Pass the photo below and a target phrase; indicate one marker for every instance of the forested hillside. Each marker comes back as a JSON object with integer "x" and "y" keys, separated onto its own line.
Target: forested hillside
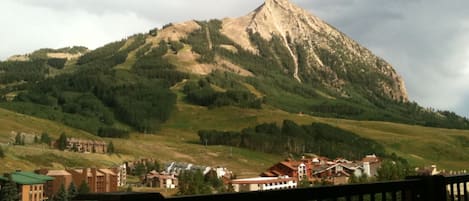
{"x": 292, "y": 138}
{"x": 125, "y": 85}
{"x": 96, "y": 97}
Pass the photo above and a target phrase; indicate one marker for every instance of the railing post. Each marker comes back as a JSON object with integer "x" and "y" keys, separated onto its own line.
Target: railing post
{"x": 434, "y": 188}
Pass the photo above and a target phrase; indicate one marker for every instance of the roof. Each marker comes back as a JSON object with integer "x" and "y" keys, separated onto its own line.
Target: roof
{"x": 371, "y": 159}
{"x": 290, "y": 164}
{"x": 89, "y": 173}
{"x": 350, "y": 166}
{"x": 342, "y": 173}
{"x": 58, "y": 173}
{"x": 268, "y": 174}
{"x": 80, "y": 171}
{"x": 107, "y": 171}
{"x": 34, "y": 175}
{"x": 28, "y": 178}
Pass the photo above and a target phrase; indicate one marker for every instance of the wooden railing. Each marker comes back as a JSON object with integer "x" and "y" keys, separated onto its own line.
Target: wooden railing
{"x": 421, "y": 188}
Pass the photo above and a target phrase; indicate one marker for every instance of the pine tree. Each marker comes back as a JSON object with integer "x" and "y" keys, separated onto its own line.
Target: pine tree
{"x": 62, "y": 194}
{"x": 72, "y": 191}
{"x": 2, "y": 154}
{"x": 23, "y": 140}
{"x": 9, "y": 191}
{"x": 62, "y": 142}
{"x": 192, "y": 183}
{"x": 304, "y": 183}
{"x": 18, "y": 139}
{"x": 45, "y": 138}
{"x": 84, "y": 188}
{"x": 140, "y": 169}
{"x": 110, "y": 148}
{"x": 129, "y": 189}
{"x": 74, "y": 147}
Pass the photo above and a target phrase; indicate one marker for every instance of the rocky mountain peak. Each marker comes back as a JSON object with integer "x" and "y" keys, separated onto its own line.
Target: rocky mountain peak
{"x": 351, "y": 64}
{"x": 278, "y": 2}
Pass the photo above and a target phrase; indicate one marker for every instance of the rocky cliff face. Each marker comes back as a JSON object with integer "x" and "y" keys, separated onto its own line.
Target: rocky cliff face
{"x": 332, "y": 58}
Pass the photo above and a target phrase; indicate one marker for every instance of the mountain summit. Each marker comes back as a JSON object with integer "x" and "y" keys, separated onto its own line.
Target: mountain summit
{"x": 332, "y": 58}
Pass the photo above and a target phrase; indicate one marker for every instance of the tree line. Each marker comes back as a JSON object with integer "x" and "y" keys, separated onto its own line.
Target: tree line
{"x": 291, "y": 138}
{"x": 201, "y": 93}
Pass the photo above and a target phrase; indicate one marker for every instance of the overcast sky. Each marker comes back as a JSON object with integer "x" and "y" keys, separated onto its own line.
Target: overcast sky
{"x": 426, "y": 41}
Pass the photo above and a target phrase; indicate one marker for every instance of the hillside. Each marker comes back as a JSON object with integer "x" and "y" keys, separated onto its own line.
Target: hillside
{"x": 282, "y": 64}
{"x": 178, "y": 141}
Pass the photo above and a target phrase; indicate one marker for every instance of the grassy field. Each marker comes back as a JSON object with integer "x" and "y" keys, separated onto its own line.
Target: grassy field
{"x": 178, "y": 141}
{"x": 422, "y": 146}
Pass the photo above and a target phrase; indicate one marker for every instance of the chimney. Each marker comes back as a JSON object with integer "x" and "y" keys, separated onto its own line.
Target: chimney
{"x": 42, "y": 171}
{"x": 366, "y": 168}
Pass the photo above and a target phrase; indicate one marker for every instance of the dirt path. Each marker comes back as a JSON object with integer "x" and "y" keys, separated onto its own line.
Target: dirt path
{"x": 208, "y": 38}
{"x": 295, "y": 60}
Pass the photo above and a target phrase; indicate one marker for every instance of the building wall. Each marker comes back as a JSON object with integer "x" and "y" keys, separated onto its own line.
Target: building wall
{"x": 246, "y": 187}
{"x": 110, "y": 181}
{"x": 340, "y": 180}
{"x": 162, "y": 181}
{"x": 121, "y": 172}
{"x": 80, "y": 177}
{"x": 32, "y": 192}
{"x": 302, "y": 171}
{"x": 86, "y": 145}
{"x": 262, "y": 185}
{"x": 25, "y": 193}
{"x": 279, "y": 185}
{"x": 66, "y": 180}
{"x": 98, "y": 181}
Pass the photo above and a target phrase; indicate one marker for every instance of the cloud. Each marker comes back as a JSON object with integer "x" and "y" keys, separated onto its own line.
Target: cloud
{"x": 30, "y": 27}
{"x": 426, "y": 41}
{"x": 30, "y": 24}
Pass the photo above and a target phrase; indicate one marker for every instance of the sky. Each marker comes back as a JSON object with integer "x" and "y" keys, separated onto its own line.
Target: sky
{"x": 427, "y": 42}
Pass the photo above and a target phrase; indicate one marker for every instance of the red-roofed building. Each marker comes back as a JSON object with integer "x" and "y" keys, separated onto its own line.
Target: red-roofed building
{"x": 295, "y": 169}
{"x": 161, "y": 180}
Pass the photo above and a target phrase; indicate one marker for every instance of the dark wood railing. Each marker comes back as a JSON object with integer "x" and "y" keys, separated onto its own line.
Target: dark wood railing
{"x": 421, "y": 188}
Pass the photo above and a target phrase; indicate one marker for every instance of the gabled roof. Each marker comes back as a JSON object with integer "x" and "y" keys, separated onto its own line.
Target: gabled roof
{"x": 107, "y": 171}
{"x": 293, "y": 165}
{"x": 58, "y": 173}
{"x": 28, "y": 178}
{"x": 371, "y": 159}
{"x": 350, "y": 166}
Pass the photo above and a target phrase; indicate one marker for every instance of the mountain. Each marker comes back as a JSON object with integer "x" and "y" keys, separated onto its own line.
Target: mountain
{"x": 278, "y": 62}
{"x": 330, "y": 57}
{"x": 279, "y": 55}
